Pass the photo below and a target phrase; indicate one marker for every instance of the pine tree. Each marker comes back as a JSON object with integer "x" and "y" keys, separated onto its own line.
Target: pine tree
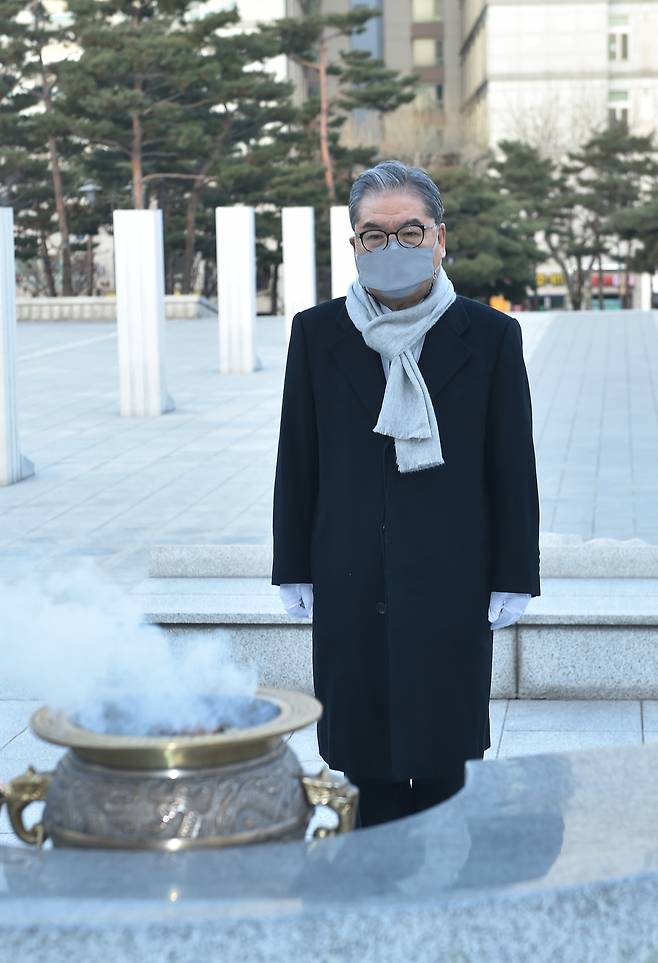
{"x": 580, "y": 204}
{"x": 615, "y": 172}
{"x": 490, "y": 247}
{"x": 30, "y": 92}
{"x": 640, "y": 224}
{"x": 168, "y": 95}
{"x": 360, "y": 81}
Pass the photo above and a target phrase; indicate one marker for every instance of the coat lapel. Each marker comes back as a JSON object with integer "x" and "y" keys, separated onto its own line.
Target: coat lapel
{"x": 443, "y": 354}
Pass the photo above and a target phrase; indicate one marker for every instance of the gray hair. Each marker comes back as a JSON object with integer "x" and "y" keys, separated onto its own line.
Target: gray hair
{"x": 393, "y": 175}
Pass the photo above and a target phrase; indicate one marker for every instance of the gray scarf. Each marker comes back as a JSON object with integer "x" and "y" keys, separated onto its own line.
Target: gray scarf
{"x": 407, "y": 412}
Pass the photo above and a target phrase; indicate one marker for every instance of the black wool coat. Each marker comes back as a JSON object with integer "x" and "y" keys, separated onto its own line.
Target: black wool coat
{"x": 403, "y": 564}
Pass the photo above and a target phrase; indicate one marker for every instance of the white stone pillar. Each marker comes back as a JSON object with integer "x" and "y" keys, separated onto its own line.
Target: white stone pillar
{"x": 343, "y": 268}
{"x": 139, "y": 272}
{"x": 298, "y": 242}
{"x": 236, "y": 288}
{"x": 645, "y": 289}
{"x": 13, "y": 465}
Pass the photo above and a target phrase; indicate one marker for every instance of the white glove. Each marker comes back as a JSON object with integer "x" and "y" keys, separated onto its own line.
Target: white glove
{"x": 506, "y": 607}
{"x": 297, "y": 599}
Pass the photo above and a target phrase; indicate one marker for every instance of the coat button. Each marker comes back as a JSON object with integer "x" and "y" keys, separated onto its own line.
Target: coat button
{"x": 381, "y": 607}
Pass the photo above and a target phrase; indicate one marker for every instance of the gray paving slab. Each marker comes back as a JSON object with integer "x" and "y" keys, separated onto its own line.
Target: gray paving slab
{"x": 523, "y": 743}
{"x": 625, "y": 601}
{"x": 105, "y": 484}
{"x": 25, "y": 750}
{"x": 591, "y": 715}
{"x": 14, "y": 717}
{"x": 650, "y": 715}
{"x": 594, "y": 382}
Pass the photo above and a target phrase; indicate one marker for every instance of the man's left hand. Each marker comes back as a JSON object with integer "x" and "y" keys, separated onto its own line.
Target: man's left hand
{"x": 506, "y": 607}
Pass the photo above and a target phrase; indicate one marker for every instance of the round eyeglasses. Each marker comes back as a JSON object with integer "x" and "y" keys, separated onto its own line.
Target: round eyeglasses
{"x": 410, "y": 235}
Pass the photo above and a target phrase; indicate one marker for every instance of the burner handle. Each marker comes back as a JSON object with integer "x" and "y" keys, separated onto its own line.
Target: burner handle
{"x": 338, "y": 794}
{"x": 17, "y": 795}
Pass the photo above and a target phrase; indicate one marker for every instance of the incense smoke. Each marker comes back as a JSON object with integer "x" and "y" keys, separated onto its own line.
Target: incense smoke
{"x": 76, "y": 640}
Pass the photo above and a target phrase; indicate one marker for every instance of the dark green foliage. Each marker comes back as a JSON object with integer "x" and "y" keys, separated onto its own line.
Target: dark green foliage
{"x": 490, "y": 249}
{"x": 584, "y": 207}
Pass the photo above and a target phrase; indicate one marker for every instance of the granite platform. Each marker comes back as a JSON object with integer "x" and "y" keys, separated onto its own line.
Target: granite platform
{"x": 592, "y": 634}
{"x": 542, "y": 858}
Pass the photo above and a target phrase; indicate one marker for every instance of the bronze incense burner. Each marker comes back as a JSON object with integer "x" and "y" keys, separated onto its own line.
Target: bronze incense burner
{"x": 174, "y": 792}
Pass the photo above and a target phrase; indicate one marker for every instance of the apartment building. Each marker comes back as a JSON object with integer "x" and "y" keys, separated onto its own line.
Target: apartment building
{"x": 419, "y": 37}
{"x": 549, "y": 72}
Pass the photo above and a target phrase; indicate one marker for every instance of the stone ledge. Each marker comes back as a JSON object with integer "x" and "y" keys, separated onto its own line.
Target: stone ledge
{"x": 284, "y": 653}
{"x": 254, "y": 600}
{"x": 210, "y": 561}
{"x": 562, "y": 556}
{"x": 545, "y": 857}
{"x": 587, "y": 662}
{"x": 82, "y": 308}
{"x": 582, "y": 638}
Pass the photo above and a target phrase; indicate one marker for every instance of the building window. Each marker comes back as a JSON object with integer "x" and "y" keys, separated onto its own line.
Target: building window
{"x": 618, "y": 45}
{"x": 429, "y": 96}
{"x": 426, "y": 11}
{"x": 618, "y": 107}
{"x": 427, "y": 52}
{"x": 618, "y": 115}
{"x": 371, "y": 38}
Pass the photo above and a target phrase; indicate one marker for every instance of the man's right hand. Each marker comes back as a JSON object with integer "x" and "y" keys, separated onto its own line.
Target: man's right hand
{"x": 297, "y": 599}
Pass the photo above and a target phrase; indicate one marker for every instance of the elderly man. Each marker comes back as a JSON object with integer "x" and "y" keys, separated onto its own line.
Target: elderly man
{"x": 406, "y": 510}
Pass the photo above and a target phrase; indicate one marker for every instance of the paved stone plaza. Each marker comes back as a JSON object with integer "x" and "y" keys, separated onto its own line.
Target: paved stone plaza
{"x": 108, "y": 487}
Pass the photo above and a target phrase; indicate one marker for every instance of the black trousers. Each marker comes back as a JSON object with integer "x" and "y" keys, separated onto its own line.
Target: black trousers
{"x": 381, "y": 800}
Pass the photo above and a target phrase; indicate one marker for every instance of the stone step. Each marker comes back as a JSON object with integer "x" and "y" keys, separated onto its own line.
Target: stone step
{"x": 562, "y": 556}
{"x": 582, "y": 638}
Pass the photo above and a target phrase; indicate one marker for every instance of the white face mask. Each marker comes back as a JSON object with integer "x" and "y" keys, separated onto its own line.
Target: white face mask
{"x": 396, "y": 271}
